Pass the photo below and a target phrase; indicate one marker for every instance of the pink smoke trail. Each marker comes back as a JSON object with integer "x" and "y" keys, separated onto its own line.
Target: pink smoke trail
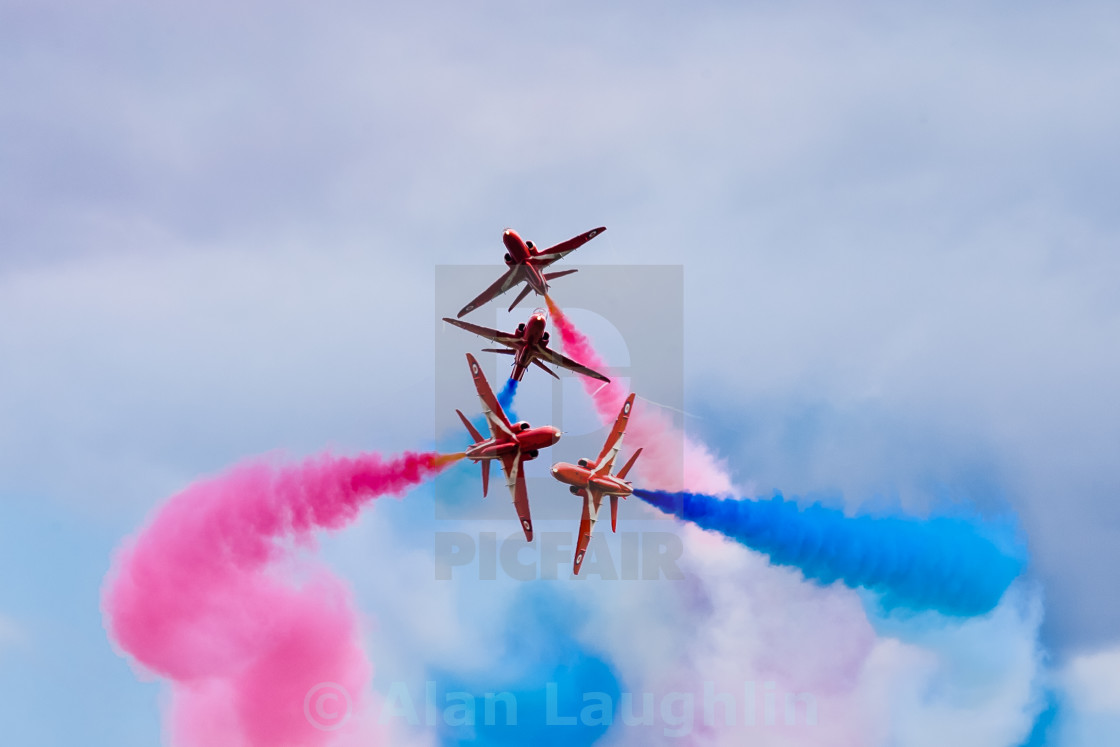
{"x": 212, "y": 596}
{"x": 669, "y": 457}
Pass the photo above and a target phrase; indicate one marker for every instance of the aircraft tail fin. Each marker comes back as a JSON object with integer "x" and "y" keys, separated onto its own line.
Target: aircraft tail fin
{"x": 503, "y": 351}
{"x": 614, "y": 513}
{"x": 554, "y": 275}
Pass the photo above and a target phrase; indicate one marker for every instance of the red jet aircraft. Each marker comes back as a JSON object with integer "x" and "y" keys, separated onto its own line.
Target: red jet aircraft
{"x": 512, "y": 443}
{"x": 528, "y": 345}
{"x": 525, "y": 263}
{"x": 593, "y": 480}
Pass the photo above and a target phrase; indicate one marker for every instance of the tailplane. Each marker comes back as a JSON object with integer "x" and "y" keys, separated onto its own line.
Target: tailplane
{"x": 554, "y": 275}
{"x": 470, "y": 428}
{"x": 521, "y": 296}
{"x": 626, "y": 467}
{"x": 485, "y": 463}
{"x": 547, "y": 370}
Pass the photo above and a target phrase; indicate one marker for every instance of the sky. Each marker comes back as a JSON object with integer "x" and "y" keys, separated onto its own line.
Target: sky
{"x": 220, "y": 230}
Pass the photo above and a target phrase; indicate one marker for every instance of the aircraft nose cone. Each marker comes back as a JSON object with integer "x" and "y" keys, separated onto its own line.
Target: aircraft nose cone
{"x": 555, "y": 435}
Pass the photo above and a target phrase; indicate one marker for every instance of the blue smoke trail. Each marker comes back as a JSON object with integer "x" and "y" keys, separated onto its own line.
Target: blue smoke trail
{"x": 505, "y": 398}
{"x": 943, "y": 564}
{"x": 1045, "y": 724}
{"x": 547, "y": 673}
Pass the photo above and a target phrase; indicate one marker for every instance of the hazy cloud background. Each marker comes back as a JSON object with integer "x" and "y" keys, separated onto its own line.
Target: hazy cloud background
{"x": 218, "y": 229}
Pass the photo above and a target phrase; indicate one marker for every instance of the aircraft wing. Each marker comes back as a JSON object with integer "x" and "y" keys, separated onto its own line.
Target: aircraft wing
{"x": 592, "y": 501}
{"x": 561, "y": 250}
{"x": 495, "y": 416}
{"x": 512, "y": 465}
{"x": 505, "y": 338}
{"x": 606, "y": 458}
{"x": 559, "y": 360}
{"x": 500, "y": 286}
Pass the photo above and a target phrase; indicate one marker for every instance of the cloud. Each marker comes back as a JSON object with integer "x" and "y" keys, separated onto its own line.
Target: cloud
{"x": 977, "y": 682}
{"x": 12, "y": 634}
{"x": 1092, "y": 680}
{"x": 161, "y": 367}
{"x": 1083, "y": 706}
{"x": 898, "y": 227}
{"x": 738, "y": 621}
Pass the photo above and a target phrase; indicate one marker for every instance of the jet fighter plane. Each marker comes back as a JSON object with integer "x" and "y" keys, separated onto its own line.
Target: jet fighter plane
{"x": 511, "y": 443}
{"x": 525, "y": 263}
{"x": 528, "y": 345}
{"x": 593, "y": 479}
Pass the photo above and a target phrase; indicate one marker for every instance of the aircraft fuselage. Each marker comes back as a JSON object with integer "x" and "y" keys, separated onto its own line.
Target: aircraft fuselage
{"x": 581, "y": 478}
{"x": 527, "y": 348}
{"x": 518, "y": 253}
{"x": 526, "y": 441}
